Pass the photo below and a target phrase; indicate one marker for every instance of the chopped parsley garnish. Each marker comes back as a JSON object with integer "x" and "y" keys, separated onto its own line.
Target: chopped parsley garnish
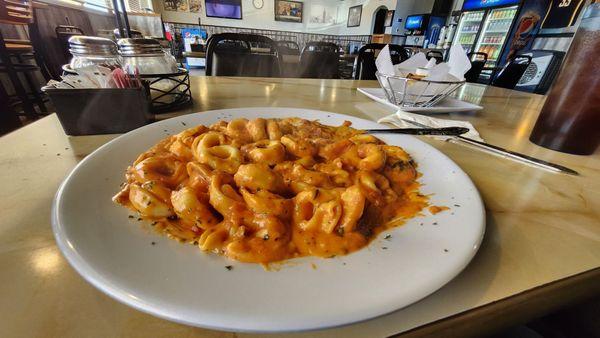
{"x": 229, "y": 267}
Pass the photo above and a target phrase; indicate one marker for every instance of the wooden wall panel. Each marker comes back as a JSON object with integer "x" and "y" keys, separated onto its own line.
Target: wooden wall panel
{"x": 47, "y": 19}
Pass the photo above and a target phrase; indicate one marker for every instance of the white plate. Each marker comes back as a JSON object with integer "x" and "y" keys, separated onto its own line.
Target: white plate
{"x": 447, "y": 105}
{"x": 178, "y": 282}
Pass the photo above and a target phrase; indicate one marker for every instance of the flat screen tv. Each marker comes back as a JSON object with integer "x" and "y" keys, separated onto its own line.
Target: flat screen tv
{"x": 229, "y": 9}
{"x": 414, "y": 22}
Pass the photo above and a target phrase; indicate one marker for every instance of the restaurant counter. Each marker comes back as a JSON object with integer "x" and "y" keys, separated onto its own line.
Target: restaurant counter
{"x": 541, "y": 248}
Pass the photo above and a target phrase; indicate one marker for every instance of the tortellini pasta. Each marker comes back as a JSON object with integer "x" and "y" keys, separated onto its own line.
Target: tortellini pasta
{"x": 265, "y": 190}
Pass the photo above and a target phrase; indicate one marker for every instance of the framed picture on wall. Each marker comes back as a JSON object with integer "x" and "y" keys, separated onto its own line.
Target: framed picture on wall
{"x": 290, "y": 11}
{"x": 228, "y": 9}
{"x": 354, "y": 14}
{"x": 389, "y": 18}
{"x": 177, "y": 5}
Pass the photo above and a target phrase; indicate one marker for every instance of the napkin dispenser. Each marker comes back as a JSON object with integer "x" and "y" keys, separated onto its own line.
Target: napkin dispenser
{"x": 89, "y": 111}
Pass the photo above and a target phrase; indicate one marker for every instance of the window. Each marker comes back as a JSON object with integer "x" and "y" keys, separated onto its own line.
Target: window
{"x": 104, "y": 5}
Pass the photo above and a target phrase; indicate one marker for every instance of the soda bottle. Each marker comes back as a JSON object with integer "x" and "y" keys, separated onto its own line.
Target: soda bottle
{"x": 570, "y": 119}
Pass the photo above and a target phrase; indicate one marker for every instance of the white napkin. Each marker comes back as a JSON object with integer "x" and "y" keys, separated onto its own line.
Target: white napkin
{"x": 397, "y": 120}
{"x": 87, "y": 77}
{"x": 453, "y": 70}
{"x": 410, "y": 65}
{"x": 459, "y": 62}
{"x": 418, "y": 92}
{"x": 384, "y": 62}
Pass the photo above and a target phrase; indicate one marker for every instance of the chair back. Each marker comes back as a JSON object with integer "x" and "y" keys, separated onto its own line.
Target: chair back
{"x": 437, "y": 55}
{"x": 510, "y": 75}
{"x": 364, "y": 65}
{"x": 287, "y": 47}
{"x": 16, "y": 12}
{"x": 320, "y": 60}
{"x": 63, "y": 33}
{"x": 477, "y": 64}
{"x": 230, "y": 54}
{"x": 134, "y": 34}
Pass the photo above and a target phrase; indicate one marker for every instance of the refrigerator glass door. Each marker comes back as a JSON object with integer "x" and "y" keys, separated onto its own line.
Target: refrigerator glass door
{"x": 495, "y": 30}
{"x": 468, "y": 26}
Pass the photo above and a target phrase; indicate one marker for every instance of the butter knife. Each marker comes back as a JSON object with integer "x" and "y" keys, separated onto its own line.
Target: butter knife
{"x": 447, "y": 131}
{"x": 506, "y": 153}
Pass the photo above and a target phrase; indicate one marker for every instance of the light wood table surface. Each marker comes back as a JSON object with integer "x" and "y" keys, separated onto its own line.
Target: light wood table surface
{"x": 541, "y": 248}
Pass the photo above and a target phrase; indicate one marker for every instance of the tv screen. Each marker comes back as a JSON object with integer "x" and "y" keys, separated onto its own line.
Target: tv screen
{"x": 413, "y": 22}
{"x": 230, "y": 9}
{"x": 480, "y": 4}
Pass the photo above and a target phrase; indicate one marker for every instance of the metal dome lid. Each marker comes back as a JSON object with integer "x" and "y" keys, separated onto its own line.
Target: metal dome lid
{"x": 139, "y": 47}
{"x": 91, "y": 45}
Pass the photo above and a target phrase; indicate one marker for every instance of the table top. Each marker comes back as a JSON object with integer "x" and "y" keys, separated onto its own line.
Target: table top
{"x": 542, "y": 228}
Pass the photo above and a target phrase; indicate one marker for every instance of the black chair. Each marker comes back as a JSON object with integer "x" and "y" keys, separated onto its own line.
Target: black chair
{"x": 134, "y": 34}
{"x": 364, "y": 66}
{"x": 320, "y": 60}
{"x": 510, "y": 75}
{"x": 19, "y": 61}
{"x": 230, "y": 54}
{"x": 437, "y": 55}
{"x": 290, "y": 57}
{"x": 477, "y": 64}
{"x": 63, "y": 33}
{"x": 287, "y": 47}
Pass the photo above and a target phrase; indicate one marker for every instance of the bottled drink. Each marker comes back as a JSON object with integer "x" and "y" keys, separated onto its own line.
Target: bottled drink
{"x": 570, "y": 119}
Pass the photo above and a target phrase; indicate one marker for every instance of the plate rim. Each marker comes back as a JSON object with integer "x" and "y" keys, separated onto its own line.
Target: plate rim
{"x": 86, "y": 270}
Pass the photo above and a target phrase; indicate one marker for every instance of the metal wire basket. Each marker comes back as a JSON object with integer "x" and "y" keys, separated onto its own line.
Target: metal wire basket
{"x": 407, "y": 92}
{"x": 169, "y": 92}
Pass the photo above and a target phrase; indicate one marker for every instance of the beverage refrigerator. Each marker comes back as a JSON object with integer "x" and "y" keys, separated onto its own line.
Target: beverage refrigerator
{"x": 483, "y": 27}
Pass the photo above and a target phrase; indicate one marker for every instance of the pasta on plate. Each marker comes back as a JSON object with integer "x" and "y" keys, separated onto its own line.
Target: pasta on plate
{"x": 266, "y": 190}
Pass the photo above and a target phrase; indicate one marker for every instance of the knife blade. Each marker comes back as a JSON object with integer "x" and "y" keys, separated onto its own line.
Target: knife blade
{"x": 447, "y": 131}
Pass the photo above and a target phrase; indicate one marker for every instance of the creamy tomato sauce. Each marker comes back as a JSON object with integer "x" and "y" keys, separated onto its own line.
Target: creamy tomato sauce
{"x": 267, "y": 190}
